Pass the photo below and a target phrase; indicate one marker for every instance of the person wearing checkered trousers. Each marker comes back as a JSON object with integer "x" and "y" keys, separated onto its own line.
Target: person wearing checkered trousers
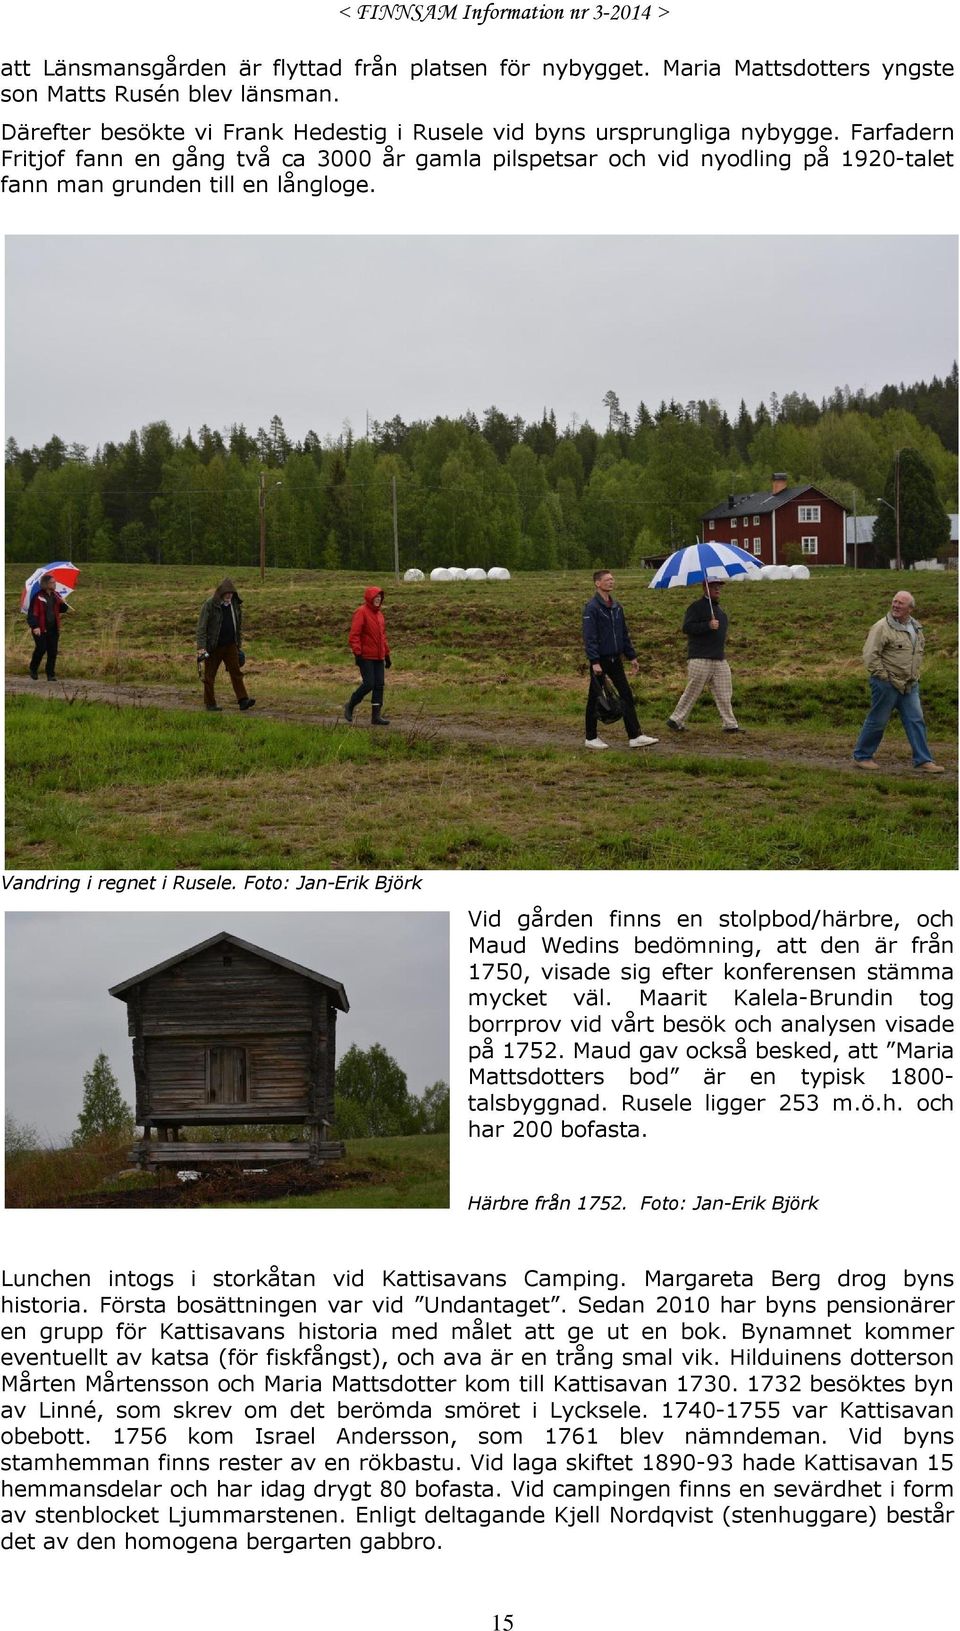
{"x": 705, "y": 626}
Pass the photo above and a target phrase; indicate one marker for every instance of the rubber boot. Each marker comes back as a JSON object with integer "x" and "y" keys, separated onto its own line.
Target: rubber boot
{"x": 379, "y": 717}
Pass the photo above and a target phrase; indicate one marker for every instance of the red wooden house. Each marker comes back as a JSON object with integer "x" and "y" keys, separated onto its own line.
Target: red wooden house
{"x": 785, "y": 525}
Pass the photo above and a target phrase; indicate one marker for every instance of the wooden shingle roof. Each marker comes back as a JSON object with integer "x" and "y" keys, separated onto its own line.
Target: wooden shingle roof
{"x": 333, "y": 986}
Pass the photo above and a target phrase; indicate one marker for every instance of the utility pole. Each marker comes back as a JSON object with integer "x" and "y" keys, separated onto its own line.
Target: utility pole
{"x": 896, "y": 495}
{"x": 396, "y": 540}
{"x": 263, "y": 524}
{"x": 262, "y": 505}
{"x": 190, "y": 525}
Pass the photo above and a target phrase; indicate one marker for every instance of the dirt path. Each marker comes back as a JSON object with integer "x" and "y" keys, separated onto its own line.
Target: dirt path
{"x": 764, "y": 744}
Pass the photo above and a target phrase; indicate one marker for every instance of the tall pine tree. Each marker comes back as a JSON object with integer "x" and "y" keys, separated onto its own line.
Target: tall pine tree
{"x": 924, "y": 523}
{"x": 104, "y": 1113}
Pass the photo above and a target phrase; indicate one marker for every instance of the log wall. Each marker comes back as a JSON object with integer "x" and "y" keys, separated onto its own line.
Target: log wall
{"x": 228, "y": 998}
{"x": 278, "y": 1073}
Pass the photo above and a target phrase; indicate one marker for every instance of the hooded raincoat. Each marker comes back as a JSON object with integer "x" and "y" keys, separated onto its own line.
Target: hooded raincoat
{"x": 368, "y": 633}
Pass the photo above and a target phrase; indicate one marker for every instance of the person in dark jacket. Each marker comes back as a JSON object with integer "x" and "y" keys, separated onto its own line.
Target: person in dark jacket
{"x": 368, "y": 642}
{"x": 44, "y": 617}
{"x": 219, "y": 640}
{"x": 705, "y": 626}
{"x": 606, "y": 641}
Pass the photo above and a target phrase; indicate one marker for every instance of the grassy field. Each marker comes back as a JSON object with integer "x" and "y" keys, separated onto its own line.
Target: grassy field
{"x": 48, "y": 1177}
{"x": 483, "y": 766}
{"x": 410, "y": 1173}
{"x": 378, "y": 1173}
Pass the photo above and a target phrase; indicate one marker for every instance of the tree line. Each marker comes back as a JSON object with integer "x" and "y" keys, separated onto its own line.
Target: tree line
{"x": 463, "y": 491}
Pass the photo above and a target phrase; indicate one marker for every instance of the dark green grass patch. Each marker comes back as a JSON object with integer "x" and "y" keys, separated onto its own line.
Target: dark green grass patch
{"x": 408, "y": 1173}
{"x": 418, "y": 1195}
{"x": 98, "y": 745}
{"x": 327, "y": 798}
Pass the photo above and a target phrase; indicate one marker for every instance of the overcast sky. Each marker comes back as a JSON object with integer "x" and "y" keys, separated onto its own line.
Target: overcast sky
{"x": 106, "y": 334}
{"x": 59, "y": 1014}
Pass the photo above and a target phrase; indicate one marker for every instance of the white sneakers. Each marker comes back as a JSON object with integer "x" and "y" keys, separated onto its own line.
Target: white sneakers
{"x": 594, "y": 742}
{"x": 643, "y": 741}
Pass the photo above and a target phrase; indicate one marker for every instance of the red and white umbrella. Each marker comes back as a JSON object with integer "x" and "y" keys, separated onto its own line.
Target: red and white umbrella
{"x": 64, "y": 575}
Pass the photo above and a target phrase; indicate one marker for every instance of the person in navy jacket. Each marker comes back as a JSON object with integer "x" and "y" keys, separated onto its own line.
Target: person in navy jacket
{"x": 606, "y": 640}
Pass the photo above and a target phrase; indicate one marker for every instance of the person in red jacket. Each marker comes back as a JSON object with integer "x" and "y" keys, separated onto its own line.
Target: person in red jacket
{"x": 368, "y": 642}
{"x": 44, "y": 617}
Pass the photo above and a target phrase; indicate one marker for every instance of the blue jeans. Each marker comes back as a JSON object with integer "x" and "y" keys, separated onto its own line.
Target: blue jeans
{"x": 372, "y": 680}
{"x": 886, "y": 700}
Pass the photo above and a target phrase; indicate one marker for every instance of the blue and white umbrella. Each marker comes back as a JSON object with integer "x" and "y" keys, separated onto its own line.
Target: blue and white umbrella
{"x": 701, "y": 563}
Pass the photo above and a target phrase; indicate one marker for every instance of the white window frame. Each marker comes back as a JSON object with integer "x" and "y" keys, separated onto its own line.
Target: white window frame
{"x": 809, "y": 546}
{"x": 757, "y": 547}
{"x": 733, "y": 521}
{"x": 712, "y": 525}
{"x": 756, "y": 520}
{"x": 808, "y": 512}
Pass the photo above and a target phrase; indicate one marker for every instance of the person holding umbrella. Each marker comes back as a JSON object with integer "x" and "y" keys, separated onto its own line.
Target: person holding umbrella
{"x": 705, "y": 626}
{"x": 705, "y": 623}
{"x": 45, "y": 612}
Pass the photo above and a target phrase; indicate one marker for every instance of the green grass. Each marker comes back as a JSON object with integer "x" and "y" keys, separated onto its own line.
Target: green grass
{"x": 40, "y": 1177}
{"x": 378, "y": 1173}
{"x": 103, "y": 785}
{"x": 436, "y": 804}
{"x": 412, "y": 1173}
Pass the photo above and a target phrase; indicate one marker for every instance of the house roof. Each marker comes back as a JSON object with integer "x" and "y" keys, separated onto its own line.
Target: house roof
{"x": 334, "y": 986}
{"x": 759, "y": 503}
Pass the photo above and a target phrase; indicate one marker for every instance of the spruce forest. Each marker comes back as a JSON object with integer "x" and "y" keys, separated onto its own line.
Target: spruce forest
{"x": 469, "y": 491}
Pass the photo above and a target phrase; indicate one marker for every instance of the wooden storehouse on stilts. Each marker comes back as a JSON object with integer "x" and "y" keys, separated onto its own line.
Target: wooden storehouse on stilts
{"x": 229, "y": 1035}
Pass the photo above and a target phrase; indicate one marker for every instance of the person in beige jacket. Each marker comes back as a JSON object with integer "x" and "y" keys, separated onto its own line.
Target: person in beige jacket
{"x": 892, "y": 655}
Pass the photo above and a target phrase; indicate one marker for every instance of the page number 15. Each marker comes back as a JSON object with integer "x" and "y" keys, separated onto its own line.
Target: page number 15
{"x": 503, "y": 1622}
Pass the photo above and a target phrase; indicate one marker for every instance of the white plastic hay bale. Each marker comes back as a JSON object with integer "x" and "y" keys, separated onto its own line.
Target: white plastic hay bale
{"x": 775, "y": 573}
{"x": 440, "y": 574}
{"x": 476, "y": 574}
{"x": 413, "y": 574}
{"x": 457, "y": 573}
{"x": 800, "y": 573}
{"x": 499, "y": 574}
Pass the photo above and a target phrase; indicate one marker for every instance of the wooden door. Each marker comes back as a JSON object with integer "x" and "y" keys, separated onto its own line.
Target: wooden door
{"x": 227, "y": 1076}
